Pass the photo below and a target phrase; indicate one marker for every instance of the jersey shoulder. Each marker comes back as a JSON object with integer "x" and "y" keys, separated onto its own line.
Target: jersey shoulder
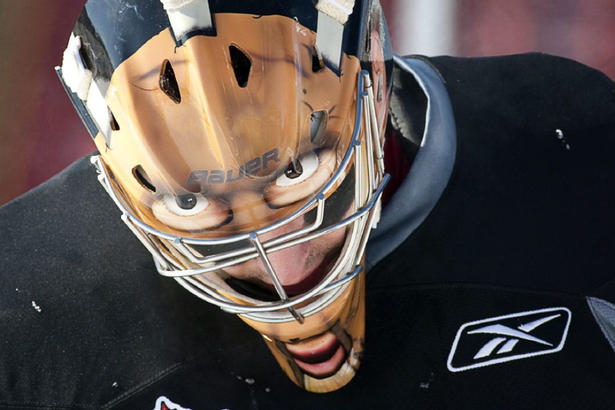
{"x": 85, "y": 318}
{"x": 528, "y": 203}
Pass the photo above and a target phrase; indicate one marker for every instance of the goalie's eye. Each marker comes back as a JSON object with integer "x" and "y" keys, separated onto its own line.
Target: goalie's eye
{"x": 301, "y": 179}
{"x": 189, "y": 212}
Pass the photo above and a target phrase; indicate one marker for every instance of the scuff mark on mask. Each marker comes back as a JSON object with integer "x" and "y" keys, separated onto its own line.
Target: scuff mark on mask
{"x": 132, "y": 7}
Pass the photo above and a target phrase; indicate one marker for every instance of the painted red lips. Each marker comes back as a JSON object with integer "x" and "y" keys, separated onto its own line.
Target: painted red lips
{"x": 320, "y": 357}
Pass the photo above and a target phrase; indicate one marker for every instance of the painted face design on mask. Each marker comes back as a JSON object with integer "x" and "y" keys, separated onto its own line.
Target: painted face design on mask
{"x": 249, "y": 168}
{"x": 322, "y": 352}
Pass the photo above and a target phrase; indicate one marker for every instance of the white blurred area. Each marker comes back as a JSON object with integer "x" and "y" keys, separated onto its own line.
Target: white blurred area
{"x": 581, "y": 30}
{"x": 424, "y": 26}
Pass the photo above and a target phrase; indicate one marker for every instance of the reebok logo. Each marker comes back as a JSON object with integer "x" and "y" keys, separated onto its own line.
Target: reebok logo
{"x": 511, "y": 337}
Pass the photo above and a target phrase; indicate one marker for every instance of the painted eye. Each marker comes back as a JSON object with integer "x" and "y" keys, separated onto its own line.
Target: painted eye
{"x": 185, "y": 205}
{"x": 294, "y": 170}
{"x": 301, "y": 179}
{"x": 189, "y": 212}
{"x": 299, "y": 170}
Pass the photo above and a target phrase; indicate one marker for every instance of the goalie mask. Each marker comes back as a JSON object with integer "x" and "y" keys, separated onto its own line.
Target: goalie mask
{"x": 242, "y": 142}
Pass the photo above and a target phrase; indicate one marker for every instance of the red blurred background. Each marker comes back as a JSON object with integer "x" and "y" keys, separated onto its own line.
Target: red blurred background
{"x": 41, "y": 133}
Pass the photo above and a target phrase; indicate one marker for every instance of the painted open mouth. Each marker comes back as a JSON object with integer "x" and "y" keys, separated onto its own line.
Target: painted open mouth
{"x": 265, "y": 291}
{"x": 319, "y": 357}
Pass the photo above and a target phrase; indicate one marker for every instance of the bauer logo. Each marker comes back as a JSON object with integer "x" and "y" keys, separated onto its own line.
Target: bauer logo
{"x": 226, "y": 176}
{"x": 511, "y": 337}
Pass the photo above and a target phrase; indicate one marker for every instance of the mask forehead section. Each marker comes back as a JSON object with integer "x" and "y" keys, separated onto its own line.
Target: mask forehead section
{"x": 240, "y": 135}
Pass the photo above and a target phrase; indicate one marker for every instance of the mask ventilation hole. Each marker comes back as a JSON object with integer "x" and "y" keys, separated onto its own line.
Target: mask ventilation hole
{"x": 168, "y": 83}
{"x": 113, "y": 122}
{"x": 317, "y": 63}
{"x": 318, "y": 122}
{"x": 241, "y": 65}
{"x": 140, "y": 175}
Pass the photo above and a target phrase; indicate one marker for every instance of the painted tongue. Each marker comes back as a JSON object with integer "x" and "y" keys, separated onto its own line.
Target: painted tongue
{"x": 311, "y": 280}
{"x": 307, "y": 283}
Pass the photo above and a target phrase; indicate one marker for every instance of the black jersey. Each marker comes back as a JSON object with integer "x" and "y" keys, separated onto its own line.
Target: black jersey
{"x": 499, "y": 296}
